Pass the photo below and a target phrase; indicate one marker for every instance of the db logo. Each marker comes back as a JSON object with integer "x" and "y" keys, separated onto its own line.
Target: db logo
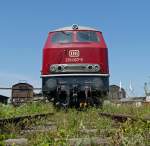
{"x": 74, "y": 53}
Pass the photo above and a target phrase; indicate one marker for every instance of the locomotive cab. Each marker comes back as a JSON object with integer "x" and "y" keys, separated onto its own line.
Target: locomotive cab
{"x": 75, "y": 66}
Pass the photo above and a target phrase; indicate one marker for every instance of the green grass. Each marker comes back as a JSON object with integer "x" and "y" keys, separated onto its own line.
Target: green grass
{"x": 74, "y": 124}
{"x": 142, "y": 111}
{"x": 25, "y": 109}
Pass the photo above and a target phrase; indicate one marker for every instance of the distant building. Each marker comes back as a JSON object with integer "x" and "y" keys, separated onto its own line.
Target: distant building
{"x": 116, "y": 93}
{"x": 22, "y": 92}
{"x": 4, "y": 99}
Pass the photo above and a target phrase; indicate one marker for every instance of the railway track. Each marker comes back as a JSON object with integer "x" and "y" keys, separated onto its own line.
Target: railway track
{"x": 52, "y": 127}
{"x": 116, "y": 117}
{"x": 122, "y": 117}
{"x": 21, "y": 119}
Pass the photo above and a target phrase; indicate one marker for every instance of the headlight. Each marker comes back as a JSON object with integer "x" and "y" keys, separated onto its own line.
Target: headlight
{"x": 90, "y": 67}
{"x": 93, "y": 68}
{"x": 60, "y": 68}
{"x": 56, "y": 68}
{"x": 53, "y": 68}
{"x": 97, "y": 67}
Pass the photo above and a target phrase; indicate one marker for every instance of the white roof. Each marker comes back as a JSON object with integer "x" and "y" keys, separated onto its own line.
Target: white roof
{"x": 79, "y": 28}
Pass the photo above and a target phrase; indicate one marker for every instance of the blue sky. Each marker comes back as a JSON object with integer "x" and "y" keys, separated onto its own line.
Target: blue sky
{"x": 24, "y": 25}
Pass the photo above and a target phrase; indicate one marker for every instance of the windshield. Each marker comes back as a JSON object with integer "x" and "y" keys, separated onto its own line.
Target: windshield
{"x": 62, "y": 37}
{"x": 87, "y": 36}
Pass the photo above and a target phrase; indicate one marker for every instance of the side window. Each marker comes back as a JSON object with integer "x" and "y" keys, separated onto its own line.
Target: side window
{"x": 62, "y": 37}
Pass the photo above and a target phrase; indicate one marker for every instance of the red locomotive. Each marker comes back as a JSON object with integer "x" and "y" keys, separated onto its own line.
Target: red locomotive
{"x": 75, "y": 66}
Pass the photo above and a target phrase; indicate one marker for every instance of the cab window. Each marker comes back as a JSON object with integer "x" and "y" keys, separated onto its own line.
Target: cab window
{"x": 87, "y": 36}
{"x": 62, "y": 37}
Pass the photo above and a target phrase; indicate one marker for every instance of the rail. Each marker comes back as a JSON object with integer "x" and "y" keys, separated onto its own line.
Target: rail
{"x": 18, "y": 119}
{"x": 122, "y": 117}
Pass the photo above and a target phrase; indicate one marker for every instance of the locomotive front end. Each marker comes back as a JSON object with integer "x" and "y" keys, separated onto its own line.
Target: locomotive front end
{"x": 75, "y": 67}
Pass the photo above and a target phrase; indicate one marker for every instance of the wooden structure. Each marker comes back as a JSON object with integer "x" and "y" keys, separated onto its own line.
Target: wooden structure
{"x": 22, "y": 92}
{"x": 115, "y": 93}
